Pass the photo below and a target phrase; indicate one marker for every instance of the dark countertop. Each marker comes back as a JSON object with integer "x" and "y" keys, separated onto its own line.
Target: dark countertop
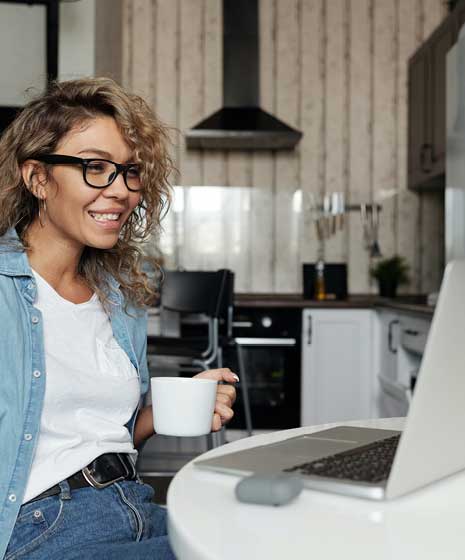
{"x": 407, "y": 304}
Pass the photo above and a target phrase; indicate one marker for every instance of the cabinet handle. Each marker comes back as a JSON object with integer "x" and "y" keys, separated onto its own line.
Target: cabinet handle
{"x": 309, "y": 330}
{"x": 390, "y": 329}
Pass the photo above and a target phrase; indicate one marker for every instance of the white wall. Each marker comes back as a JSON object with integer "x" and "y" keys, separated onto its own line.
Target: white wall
{"x": 23, "y": 47}
{"x": 76, "y": 51}
{"x": 22, "y": 51}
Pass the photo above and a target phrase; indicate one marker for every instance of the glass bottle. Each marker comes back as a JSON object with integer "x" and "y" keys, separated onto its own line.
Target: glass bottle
{"x": 320, "y": 292}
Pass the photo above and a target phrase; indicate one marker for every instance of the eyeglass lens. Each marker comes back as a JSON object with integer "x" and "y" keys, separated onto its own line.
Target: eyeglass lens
{"x": 100, "y": 173}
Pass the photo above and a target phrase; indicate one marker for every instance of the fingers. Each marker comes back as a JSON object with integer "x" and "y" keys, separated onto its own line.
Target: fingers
{"x": 220, "y": 374}
{"x": 224, "y": 411}
{"x": 216, "y": 423}
{"x": 221, "y": 416}
{"x": 226, "y": 394}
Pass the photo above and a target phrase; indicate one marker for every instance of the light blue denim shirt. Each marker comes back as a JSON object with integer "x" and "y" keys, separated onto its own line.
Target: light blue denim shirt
{"x": 22, "y": 373}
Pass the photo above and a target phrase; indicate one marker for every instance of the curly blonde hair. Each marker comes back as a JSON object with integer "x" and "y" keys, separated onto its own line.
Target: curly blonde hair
{"x": 38, "y": 129}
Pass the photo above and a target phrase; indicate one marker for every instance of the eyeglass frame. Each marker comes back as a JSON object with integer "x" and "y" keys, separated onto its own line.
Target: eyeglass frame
{"x": 61, "y": 159}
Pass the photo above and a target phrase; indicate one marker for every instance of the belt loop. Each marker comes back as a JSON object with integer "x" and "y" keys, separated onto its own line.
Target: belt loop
{"x": 65, "y": 493}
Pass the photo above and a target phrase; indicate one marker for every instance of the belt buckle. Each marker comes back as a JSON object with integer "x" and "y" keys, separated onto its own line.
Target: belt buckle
{"x": 87, "y": 474}
{"x": 95, "y": 483}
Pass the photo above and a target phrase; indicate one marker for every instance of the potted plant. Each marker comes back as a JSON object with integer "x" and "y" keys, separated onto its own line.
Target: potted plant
{"x": 390, "y": 273}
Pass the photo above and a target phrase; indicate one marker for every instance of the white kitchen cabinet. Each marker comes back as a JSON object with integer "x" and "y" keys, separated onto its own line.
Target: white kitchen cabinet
{"x": 337, "y": 365}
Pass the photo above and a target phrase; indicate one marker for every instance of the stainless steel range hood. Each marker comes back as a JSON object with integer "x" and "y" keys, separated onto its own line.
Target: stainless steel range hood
{"x": 241, "y": 124}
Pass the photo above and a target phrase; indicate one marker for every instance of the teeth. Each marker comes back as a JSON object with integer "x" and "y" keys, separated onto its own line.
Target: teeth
{"x": 104, "y": 217}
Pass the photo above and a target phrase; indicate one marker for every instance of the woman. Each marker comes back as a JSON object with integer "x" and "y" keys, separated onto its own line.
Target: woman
{"x": 83, "y": 179}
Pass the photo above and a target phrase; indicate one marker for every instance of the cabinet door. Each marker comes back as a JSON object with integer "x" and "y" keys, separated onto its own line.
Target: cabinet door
{"x": 441, "y": 42}
{"x": 337, "y": 376}
{"x": 418, "y": 131}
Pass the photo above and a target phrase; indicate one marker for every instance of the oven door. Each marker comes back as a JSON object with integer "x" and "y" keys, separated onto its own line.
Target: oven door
{"x": 272, "y": 370}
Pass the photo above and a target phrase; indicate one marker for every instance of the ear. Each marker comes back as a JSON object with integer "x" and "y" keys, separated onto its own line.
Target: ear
{"x": 35, "y": 178}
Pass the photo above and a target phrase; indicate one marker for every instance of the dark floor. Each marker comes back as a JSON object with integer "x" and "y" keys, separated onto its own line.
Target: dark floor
{"x": 160, "y": 485}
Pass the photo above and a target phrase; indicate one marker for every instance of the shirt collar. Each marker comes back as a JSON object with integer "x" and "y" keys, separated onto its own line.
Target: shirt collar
{"x": 13, "y": 257}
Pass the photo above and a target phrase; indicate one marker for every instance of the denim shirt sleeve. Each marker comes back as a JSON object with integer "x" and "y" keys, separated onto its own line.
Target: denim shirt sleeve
{"x": 136, "y": 326}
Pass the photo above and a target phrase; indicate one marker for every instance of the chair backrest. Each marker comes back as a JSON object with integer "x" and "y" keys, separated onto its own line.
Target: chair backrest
{"x": 227, "y": 305}
{"x": 194, "y": 291}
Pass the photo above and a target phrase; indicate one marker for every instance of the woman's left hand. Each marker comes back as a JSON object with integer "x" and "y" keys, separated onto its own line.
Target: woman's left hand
{"x": 225, "y": 395}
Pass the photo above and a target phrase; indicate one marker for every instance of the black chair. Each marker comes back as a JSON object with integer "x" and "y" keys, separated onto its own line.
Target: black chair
{"x": 197, "y": 297}
{"x": 205, "y": 302}
{"x": 227, "y": 341}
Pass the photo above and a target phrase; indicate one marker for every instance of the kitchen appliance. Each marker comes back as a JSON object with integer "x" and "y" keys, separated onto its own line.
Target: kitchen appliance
{"x": 269, "y": 339}
{"x": 382, "y": 464}
{"x": 241, "y": 123}
{"x": 455, "y": 151}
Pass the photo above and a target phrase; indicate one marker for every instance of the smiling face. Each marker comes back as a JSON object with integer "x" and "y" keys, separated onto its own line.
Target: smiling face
{"x": 77, "y": 213}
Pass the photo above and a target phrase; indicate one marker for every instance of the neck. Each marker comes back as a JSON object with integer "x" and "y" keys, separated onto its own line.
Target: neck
{"x": 55, "y": 258}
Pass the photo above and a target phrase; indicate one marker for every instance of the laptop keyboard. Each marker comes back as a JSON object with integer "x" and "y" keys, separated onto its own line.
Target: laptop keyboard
{"x": 370, "y": 463}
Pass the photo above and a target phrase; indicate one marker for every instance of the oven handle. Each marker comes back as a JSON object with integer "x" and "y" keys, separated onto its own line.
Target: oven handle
{"x": 266, "y": 341}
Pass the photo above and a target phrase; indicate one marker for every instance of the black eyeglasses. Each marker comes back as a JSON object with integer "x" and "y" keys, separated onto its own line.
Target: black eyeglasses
{"x": 99, "y": 173}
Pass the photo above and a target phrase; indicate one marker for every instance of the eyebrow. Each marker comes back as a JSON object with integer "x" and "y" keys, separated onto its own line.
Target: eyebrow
{"x": 102, "y": 153}
{"x": 95, "y": 151}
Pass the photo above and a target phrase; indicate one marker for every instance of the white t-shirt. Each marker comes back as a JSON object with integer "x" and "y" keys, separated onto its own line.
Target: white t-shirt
{"x": 92, "y": 390}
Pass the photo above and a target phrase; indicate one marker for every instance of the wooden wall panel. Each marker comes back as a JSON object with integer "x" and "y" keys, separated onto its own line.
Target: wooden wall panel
{"x": 191, "y": 103}
{"x": 213, "y": 161}
{"x": 166, "y": 44}
{"x": 287, "y": 218}
{"x": 385, "y": 179}
{"x": 261, "y": 218}
{"x": 360, "y": 139}
{"x": 108, "y": 44}
{"x": 312, "y": 120}
{"x": 127, "y": 39}
{"x": 263, "y": 169}
{"x": 336, "y": 114}
{"x": 335, "y": 69}
{"x": 142, "y": 50}
{"x": 408, "y": 206}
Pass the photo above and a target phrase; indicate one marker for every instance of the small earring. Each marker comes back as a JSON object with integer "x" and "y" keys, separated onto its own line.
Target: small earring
{"x": 40, "y": 213}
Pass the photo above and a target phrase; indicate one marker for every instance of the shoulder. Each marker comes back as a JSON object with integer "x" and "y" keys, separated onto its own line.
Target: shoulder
{"x": 136, "y": 318}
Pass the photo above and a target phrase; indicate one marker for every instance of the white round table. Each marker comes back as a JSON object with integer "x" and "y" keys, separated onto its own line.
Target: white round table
{"x": 206, "y": 522}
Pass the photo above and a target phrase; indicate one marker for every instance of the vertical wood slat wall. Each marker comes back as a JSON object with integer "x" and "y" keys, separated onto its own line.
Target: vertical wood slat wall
{"x": 335, "y": 69}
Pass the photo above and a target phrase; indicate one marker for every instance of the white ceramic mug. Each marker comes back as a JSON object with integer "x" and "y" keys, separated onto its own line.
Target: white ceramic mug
{"x": 183, "y": 406}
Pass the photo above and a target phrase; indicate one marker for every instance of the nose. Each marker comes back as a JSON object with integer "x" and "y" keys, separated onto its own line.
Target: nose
{"x": 117, "y": 189}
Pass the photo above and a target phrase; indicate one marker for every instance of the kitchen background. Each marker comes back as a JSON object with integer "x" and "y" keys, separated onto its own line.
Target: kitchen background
{"x": 337, "y": 70}
{"x": 334, "y": 69}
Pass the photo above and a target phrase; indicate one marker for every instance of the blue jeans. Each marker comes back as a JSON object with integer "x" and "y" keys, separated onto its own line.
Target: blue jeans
{"x": 119, "y": 521}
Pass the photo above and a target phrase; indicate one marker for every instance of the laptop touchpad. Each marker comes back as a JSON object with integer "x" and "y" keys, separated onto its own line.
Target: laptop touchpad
{"x": 309, "y": 448}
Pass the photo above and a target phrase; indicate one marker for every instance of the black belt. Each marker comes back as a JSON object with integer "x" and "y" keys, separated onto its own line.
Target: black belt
{"x": 100, "y": 473}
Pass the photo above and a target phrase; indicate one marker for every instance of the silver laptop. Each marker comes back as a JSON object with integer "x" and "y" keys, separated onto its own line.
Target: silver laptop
{"x": 347, "y": 460}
